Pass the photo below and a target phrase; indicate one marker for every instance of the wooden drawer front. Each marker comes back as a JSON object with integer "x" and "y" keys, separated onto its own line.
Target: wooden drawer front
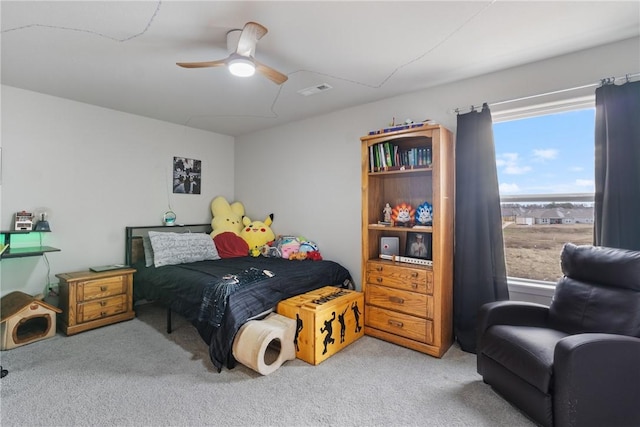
{"x": 411, "y": 327}
{"x": 412, "y": 303}
{"x": 102, "y": 308}
{"x": 101, "y": 288}
{"x": 410, "y": 279}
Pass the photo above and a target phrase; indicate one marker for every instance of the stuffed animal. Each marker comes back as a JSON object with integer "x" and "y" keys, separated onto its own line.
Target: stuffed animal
{"x": 424, "y": 214}
{"x": 270, "y": 251}
{"x": 226, "y": 217}
{"x": 307, "y": 246}
{"x": 257, "y": 233}
{"x": 402, "y": 214}
{"x": 287, "y": 245}
{"x": 314, "y": 255}
{"x": 299, "y": 256}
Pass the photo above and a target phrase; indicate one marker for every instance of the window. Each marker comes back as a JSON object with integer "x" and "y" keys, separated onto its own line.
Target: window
{"x": 545, "y": 167}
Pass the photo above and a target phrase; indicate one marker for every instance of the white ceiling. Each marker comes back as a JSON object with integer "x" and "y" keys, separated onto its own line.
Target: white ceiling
{"x": 121, "y": 55}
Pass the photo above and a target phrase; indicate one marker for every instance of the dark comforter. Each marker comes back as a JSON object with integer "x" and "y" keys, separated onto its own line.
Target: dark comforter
{"x": 181, "y": 287}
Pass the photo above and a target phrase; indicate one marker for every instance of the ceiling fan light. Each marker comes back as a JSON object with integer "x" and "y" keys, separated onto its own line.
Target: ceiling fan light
{"x": 242, "y": 67}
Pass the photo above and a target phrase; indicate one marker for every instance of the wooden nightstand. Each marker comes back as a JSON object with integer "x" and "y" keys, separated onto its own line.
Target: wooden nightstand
{"x": 89, "y": 300}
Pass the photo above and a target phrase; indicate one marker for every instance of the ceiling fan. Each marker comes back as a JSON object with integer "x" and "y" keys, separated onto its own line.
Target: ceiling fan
{"x": 241, "y": 45}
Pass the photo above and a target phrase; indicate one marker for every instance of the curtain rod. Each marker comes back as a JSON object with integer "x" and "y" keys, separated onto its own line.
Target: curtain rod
{"x": 605, "y": 81}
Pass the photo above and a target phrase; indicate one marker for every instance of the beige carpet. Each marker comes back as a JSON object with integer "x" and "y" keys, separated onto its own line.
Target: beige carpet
{"x": 134, "y": 374}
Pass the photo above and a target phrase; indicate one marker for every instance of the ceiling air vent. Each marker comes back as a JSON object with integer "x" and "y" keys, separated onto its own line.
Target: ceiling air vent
{"x": 312, "y": 90}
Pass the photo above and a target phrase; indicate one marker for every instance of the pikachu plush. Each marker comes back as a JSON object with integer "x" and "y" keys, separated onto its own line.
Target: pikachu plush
{"x": 257, "y": 233}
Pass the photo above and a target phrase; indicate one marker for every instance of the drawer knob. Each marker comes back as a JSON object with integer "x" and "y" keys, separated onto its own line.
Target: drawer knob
{"x": 379, "y": 279}
{"x": 397, "y": 300}
{"x": 379, "y": 268}
{"x": 396, "y": 323}
{"x": 103, "y": 288}
{"x": 103, "y": 303}
{"x": 414, "y": 285}
{"x": 414, "y": 274}
{"x": 103, "y": 313}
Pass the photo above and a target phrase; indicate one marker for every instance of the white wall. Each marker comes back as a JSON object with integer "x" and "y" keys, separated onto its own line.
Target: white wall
{"x": 99, "y": 170}
{"x": 96, "y": 171}
{"x": 312, "y": 167}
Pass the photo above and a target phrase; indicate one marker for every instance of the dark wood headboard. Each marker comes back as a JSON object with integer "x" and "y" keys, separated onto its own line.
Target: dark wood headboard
{"x": 134, "y": 251}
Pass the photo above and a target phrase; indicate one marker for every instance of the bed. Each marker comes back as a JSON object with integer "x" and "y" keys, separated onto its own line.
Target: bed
{"x": 182, "y": 287}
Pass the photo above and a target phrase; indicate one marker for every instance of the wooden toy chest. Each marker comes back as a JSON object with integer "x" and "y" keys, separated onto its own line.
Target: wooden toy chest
{"x": 327, "y": 320}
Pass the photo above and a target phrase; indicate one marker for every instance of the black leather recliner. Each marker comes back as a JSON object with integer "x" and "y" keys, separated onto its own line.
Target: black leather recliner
{"x": 576, "y": 362}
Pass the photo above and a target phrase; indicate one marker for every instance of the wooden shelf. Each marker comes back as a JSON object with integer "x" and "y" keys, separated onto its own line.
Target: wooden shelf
{"x": 425, "y": 229}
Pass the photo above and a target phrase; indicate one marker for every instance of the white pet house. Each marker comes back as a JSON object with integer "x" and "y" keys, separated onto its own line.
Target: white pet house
{"x": 25, "y": 320}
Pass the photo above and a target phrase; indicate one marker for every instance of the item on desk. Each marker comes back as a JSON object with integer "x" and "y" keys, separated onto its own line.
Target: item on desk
{"x": 102, "y": 268}
{"x": 24, "y": 221}
{"x": 42, "y": 224}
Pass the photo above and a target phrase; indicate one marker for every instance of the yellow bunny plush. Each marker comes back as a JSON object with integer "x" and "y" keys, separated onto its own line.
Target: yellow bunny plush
{"x": 226, "y": 217}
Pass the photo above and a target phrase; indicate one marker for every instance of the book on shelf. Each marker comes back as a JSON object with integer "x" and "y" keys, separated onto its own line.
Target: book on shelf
{"x": 386, "y": 156}
{"x": 399, "y": 168}
{"x": 3, "y": 248}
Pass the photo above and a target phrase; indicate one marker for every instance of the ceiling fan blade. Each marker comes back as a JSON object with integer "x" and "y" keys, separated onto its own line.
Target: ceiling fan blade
{"x": 273, "y": 75}
{"x": 251, "y": 33}
{"x": 219, "y": 63}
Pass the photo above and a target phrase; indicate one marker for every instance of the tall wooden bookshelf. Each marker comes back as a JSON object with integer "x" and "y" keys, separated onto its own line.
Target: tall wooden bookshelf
{"x": 405, "y": 303}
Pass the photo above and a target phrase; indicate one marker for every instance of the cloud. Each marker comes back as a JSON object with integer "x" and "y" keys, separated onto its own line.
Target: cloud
{"x": 543, "y": 155}
{"x": 585, "y": 183}
{"x": 506, "y": 188}
{"x": 517, "y": 170}
{"x": 510, "y": 162}
{"x": 576, "y": 169}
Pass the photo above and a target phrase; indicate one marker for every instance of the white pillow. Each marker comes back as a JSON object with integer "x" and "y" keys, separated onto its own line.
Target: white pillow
{"x": 180, "y": 248}
{"x": 148, "y": 251}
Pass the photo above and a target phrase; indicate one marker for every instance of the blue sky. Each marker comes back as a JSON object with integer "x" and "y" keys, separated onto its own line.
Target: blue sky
{"x": 546, "y": 154}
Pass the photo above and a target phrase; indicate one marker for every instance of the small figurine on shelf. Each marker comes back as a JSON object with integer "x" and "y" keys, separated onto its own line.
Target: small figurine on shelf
{"x": 402, "y": 215}
{"x": 424, "y": 214}
{"x": 387, "y": 212}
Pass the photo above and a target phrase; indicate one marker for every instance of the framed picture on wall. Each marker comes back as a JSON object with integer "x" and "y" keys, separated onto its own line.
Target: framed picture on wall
{"x": 186, "y": 175}
{"x": 418, "y": 245}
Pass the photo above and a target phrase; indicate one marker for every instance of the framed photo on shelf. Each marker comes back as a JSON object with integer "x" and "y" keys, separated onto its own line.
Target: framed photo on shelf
{"x": 418, "y": 245}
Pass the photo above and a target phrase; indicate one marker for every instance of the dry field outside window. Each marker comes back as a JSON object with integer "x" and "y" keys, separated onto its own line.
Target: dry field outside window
{"x": 533, "y": 251}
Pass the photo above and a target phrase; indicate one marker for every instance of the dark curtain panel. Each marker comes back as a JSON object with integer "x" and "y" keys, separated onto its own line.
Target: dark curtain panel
{"x": 479, "y": 266}
{"x": 617, "y": 168}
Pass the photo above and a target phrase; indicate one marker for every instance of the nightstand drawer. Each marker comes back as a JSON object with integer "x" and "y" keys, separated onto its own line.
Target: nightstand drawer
{"x": 101, "y": 288}
{"x": 412, "y": 303}
{"x": 412, "y": 327}
{"x": 406, "y": 278}
{"x": 102, "y": 308}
